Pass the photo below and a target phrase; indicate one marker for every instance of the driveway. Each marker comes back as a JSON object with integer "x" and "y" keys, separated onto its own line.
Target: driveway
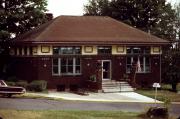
{"x": 44, "y": 104}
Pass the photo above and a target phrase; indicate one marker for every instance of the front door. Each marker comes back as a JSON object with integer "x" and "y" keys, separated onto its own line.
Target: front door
{"x": 106, "y": 70}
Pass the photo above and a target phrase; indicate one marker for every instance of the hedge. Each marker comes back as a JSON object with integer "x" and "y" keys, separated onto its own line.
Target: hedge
{"x": 37, "y": 85}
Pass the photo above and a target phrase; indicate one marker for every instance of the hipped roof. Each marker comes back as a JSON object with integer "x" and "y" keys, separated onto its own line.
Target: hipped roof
{"x": 88, "y": 29}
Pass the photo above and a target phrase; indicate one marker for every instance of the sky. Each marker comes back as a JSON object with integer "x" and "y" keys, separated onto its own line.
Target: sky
{"x": 66, "y": 7}
{"x": 73, "y": 7}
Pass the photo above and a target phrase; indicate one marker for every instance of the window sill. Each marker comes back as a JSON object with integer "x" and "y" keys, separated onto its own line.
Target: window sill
{"x": 140, "y": 72}
{"x": 66, "y": 75}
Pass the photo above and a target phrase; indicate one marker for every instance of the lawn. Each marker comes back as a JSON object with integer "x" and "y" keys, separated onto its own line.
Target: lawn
{"x": 163, "y": 93}
{"x": 16, "y": 114}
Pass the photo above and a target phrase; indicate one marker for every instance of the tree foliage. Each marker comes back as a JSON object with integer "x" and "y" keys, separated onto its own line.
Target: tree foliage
{"x": 177, "y": 8}
{"x": 154, "y": 16}
{"x": 19, "y": 16}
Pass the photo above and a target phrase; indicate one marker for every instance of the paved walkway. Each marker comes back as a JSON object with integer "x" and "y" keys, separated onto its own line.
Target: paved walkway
{"x": 107, "y": 97}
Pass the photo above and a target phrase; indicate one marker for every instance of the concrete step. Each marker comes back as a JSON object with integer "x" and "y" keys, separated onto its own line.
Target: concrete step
{"x": 116, "y": 86}
{"x": 117, "y": 90}
{"x": 122, "y": 87}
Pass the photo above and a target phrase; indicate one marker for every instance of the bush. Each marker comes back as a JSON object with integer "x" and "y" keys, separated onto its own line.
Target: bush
{"x": 37, "y": 85}
{"x": 22, "y": 83}
{"x": 12, "y": 79}
{"x": 160, "y": 112}
{"x": 10, "y": 83}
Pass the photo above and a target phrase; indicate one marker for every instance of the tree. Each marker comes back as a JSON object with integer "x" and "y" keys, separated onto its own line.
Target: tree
{"x": 171, "y": 67}
{"x": 153, "y": 16}
{"x": 97, "y": 8}
{"x": 17, "y": 17}
{"x": 177, "y": 8}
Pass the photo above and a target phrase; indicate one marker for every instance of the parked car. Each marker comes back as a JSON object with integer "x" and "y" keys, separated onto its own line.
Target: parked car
{"x": 8, "y": 91}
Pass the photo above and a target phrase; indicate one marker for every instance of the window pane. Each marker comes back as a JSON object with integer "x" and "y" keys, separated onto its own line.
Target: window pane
{"x": 77, "y": 61}
{"x": 147, "y": 61}
{"x": 104, "y": 50}
{"x": 55, "y": 69}
{"x": 147, "y": 68}
{"x": 78, "y": 69}
{"x": 141, "y": 60}
{"x": 77, "y": 50}
{"x": 66, "y": 50}
{"x": 136, "y": 50}
{"x": 128, "y": 68}
{"x": 63, "y": 69}
{"x": 147, "y": 65}
{"x": 55, "y": 50}
{"x": 147, "y": 50}
{"x": 128, "y": 60}
{"x": 70, "y": 66}
{"x": 63, "y": 62}
{"x": 70, "y": 69}
{"x": 128, "y": 50}
{"x": 55, "y": 61}
{"x": 70, "y": 61}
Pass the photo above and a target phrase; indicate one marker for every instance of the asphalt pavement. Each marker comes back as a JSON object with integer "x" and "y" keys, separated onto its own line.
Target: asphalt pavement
{"x": 46, "y": 104}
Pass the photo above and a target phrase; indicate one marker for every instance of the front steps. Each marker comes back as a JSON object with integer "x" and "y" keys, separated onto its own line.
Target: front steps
{"x": 111, "y": 86}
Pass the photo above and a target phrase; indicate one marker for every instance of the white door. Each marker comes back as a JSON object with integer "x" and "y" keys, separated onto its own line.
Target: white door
{"x": 106, "y": 69}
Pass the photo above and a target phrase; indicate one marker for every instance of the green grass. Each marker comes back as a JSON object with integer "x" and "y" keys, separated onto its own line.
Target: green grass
{"x": 163, "y": 93}
{"x": 17, "y": 114}
{"x": 49, "y": 114}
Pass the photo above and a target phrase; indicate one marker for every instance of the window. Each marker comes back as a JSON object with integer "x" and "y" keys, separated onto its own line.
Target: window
{"x": 139, "y": 56}
{"x": 66, "y": 66}
{"x": 138, "y": 50}
{"x": 74, "y": 50}
{"x": 143, "y": 64}
{"x": 104, "y": 50}
{"x": 55, "y": 66}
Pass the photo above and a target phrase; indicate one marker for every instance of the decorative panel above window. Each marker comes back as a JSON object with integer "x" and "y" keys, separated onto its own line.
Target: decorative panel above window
{"x": 156, "y": 50}
{"x": 45, "y": 49}
{"x": 118, "y": 50}
{"x": 88, "y": 49}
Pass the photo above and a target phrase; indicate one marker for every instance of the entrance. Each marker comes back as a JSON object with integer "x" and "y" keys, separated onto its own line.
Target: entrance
{"x": 106, "y": 69}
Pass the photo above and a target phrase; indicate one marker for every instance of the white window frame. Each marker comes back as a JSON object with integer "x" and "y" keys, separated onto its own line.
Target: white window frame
{"x": 66, "y": 74}
{"x": 144, "y": 65}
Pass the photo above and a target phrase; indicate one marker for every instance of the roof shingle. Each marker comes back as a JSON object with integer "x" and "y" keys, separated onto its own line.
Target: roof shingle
{"x": 69, "y": 29}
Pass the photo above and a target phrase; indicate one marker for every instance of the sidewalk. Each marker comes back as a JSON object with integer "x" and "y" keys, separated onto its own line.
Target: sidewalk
{"x": 106, "y": 97}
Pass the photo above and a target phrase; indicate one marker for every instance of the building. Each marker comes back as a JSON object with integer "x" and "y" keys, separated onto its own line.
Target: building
{"x": 75, "y": 50}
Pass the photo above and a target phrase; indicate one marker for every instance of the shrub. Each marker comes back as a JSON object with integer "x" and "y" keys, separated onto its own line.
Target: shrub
{"x": 37, "y": 85}
{"x": 10, "y": 83}
{"x": 93, "y": 78}
{"x": 22, "y": 83}
{"x": 12, "y": 79}
{"x": 158, "y": 112}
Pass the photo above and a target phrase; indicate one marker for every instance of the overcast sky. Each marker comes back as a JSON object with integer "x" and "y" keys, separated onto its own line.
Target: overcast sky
{"x": 73, "y": 7}
{"x": 66, "y": 7}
